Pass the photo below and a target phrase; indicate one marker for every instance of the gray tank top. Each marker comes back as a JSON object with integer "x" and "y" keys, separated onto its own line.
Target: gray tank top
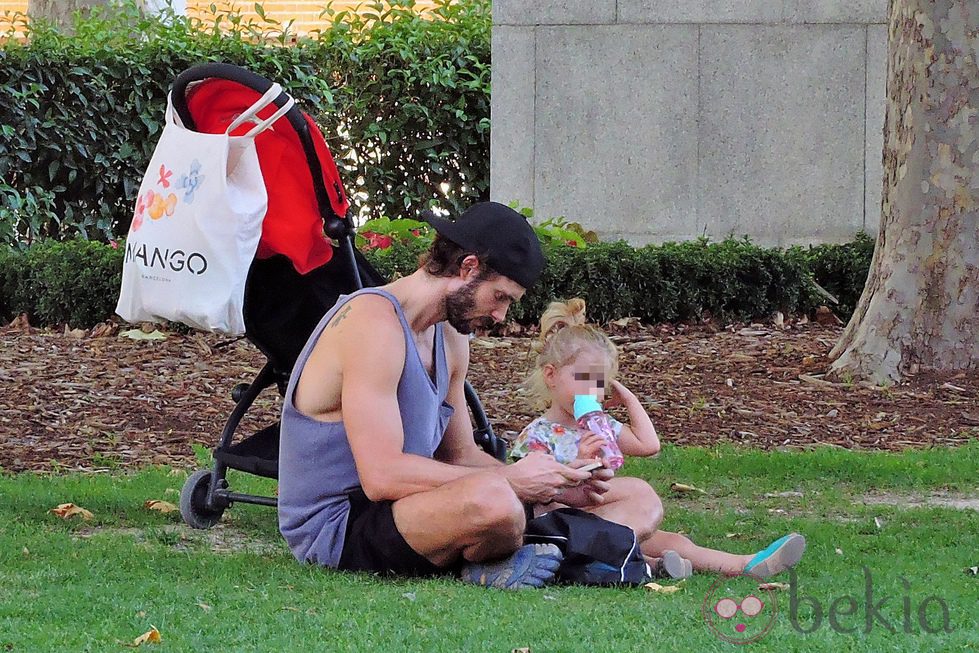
{"x": 316, "y": 466}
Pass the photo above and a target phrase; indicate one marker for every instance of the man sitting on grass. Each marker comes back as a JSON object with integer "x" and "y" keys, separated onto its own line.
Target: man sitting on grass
{"x": 378, "y": 470}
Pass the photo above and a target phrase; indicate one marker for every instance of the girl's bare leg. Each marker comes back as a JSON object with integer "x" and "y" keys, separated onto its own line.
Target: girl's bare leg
{"x": 654, "y": 563}
{"x": 631, "y": 502}
{"x": 702, "y": 558}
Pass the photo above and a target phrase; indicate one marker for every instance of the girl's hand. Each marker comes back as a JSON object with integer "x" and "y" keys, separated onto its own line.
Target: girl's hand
{"x": 590, "y": 493}
{"x": 620, "y": 394}
{"x": 593, "y": 490}
{"x": 590, "y": 446}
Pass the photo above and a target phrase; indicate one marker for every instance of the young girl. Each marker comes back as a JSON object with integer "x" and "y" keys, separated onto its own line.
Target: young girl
{"x": 575, "y": 358}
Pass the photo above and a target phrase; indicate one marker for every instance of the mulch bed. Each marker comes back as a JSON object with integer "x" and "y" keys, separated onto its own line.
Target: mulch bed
{"x": 90, "y": 400}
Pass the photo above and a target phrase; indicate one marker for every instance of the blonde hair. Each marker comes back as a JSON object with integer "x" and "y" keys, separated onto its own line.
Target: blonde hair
{"x": 564, "y": 334}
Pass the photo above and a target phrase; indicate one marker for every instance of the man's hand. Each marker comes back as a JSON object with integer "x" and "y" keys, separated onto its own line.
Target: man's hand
{"x": 538, "y": 478}
{"x": 592, "y": 491}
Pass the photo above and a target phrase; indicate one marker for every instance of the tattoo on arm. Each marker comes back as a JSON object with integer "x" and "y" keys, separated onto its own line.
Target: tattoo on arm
{"x": 338, "y": 318}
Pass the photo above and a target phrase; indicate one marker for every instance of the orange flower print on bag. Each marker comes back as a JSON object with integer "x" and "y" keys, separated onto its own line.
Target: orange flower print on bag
{"x": 138, "y": 213}
{"x": 159, "y": 205}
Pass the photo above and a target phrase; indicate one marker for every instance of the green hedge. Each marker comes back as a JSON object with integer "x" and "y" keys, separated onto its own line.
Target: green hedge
{"x": 842, "y": 269}
{"x": 675, "y": 282}
{"x": 403, "y": 102}
{"x": 682, "y": 282}
{"x": 77, "y": 282}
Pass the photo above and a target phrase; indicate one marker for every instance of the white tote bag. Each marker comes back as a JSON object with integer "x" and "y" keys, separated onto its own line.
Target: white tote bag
{"x": 197, "y": 224}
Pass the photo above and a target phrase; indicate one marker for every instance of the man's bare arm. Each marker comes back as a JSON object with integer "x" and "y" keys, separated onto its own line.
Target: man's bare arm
{"x": 369, "y": 405}
{"x": 458, "y": 446}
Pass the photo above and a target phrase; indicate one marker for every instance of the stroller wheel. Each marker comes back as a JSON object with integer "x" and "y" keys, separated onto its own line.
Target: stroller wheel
{"x": 193, "y": 501}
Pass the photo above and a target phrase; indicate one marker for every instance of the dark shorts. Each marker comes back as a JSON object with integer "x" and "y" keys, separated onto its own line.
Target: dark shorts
{"x": 373, "y": 543}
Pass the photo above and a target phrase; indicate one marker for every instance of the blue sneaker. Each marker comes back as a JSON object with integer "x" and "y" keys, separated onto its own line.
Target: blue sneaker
{"x": 779, "y": 556}
{"x": 532, "y": 565}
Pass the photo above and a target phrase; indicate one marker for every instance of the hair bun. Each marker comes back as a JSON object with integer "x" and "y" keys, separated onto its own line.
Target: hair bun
{"x": 576, "y": 310}
{"x": 559, "y": 315}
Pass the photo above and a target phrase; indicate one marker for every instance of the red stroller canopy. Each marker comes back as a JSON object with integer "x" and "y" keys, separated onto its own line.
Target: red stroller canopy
{"x": 293, "y": 224}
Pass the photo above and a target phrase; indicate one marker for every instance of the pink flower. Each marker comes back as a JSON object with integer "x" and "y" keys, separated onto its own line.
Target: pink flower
{"x": 141, "y": 205}
{"x": 113, "y": 244}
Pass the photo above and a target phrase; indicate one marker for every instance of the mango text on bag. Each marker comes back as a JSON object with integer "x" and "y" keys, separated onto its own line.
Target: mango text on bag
{"x": 176, "y": 259}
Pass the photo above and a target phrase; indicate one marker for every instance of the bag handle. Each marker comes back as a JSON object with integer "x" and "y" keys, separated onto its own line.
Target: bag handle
{"x": 265, "y": 124}
{"x": 250, "y": 113}
{"x": 172, "y": 115}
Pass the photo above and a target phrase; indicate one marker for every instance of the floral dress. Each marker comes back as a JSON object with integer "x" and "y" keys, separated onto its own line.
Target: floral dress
{"x": 552, "y": 438}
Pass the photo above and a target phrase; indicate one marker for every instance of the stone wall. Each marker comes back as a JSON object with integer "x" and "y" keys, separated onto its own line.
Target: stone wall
{"x": 656, "y": 120}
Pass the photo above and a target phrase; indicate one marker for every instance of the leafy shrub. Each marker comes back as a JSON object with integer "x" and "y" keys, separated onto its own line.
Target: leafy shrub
{"x": 73, "y": 282}
{"x": 399, "y": 260}
{"x": 382, "y": 233}
{"x": 417, "y": 90}
{"x": 15, "y": 294}
{"x": 403, "y": 102}
{"x": 672, "y": 282}
{"x": 841, "y": 269}
{"x": 77, "y": 282}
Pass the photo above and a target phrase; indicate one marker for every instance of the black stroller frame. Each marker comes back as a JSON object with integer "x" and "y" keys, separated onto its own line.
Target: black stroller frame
{"x": 206, "y": 493}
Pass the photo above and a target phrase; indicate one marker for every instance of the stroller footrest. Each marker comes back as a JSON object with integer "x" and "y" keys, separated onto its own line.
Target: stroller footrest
{"x": 257, "y": 454}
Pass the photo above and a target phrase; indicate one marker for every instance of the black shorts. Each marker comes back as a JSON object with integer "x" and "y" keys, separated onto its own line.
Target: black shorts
{"x": 373, "y": 543}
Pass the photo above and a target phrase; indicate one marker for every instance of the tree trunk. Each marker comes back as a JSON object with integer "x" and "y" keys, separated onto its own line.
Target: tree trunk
{"x": 920, "y": 307}
{"x": 61, "y": 12}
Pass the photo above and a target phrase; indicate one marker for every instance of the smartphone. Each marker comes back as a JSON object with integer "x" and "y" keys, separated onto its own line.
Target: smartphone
{"x": 590, "y": 467}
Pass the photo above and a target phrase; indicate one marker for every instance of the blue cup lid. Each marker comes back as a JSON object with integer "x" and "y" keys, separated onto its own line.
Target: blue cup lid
{"x": 584, "y": 404}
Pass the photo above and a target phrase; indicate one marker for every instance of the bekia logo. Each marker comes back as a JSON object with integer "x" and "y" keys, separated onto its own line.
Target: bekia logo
{"x": 742, "y": 610}
{"x": 739, "y": 610}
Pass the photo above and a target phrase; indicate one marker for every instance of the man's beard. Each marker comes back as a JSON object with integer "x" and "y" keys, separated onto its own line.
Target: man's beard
{"x": 460, "y": 304}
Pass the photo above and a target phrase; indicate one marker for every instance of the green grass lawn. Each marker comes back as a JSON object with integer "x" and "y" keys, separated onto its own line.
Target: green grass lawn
{"x": 80, "y": 586}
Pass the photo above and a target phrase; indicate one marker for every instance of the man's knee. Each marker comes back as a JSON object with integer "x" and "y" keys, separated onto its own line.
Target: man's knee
{"x": 495, "y": 508}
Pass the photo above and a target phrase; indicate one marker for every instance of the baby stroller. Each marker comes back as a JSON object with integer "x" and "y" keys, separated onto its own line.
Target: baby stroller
{"x": 305, "y": 261}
